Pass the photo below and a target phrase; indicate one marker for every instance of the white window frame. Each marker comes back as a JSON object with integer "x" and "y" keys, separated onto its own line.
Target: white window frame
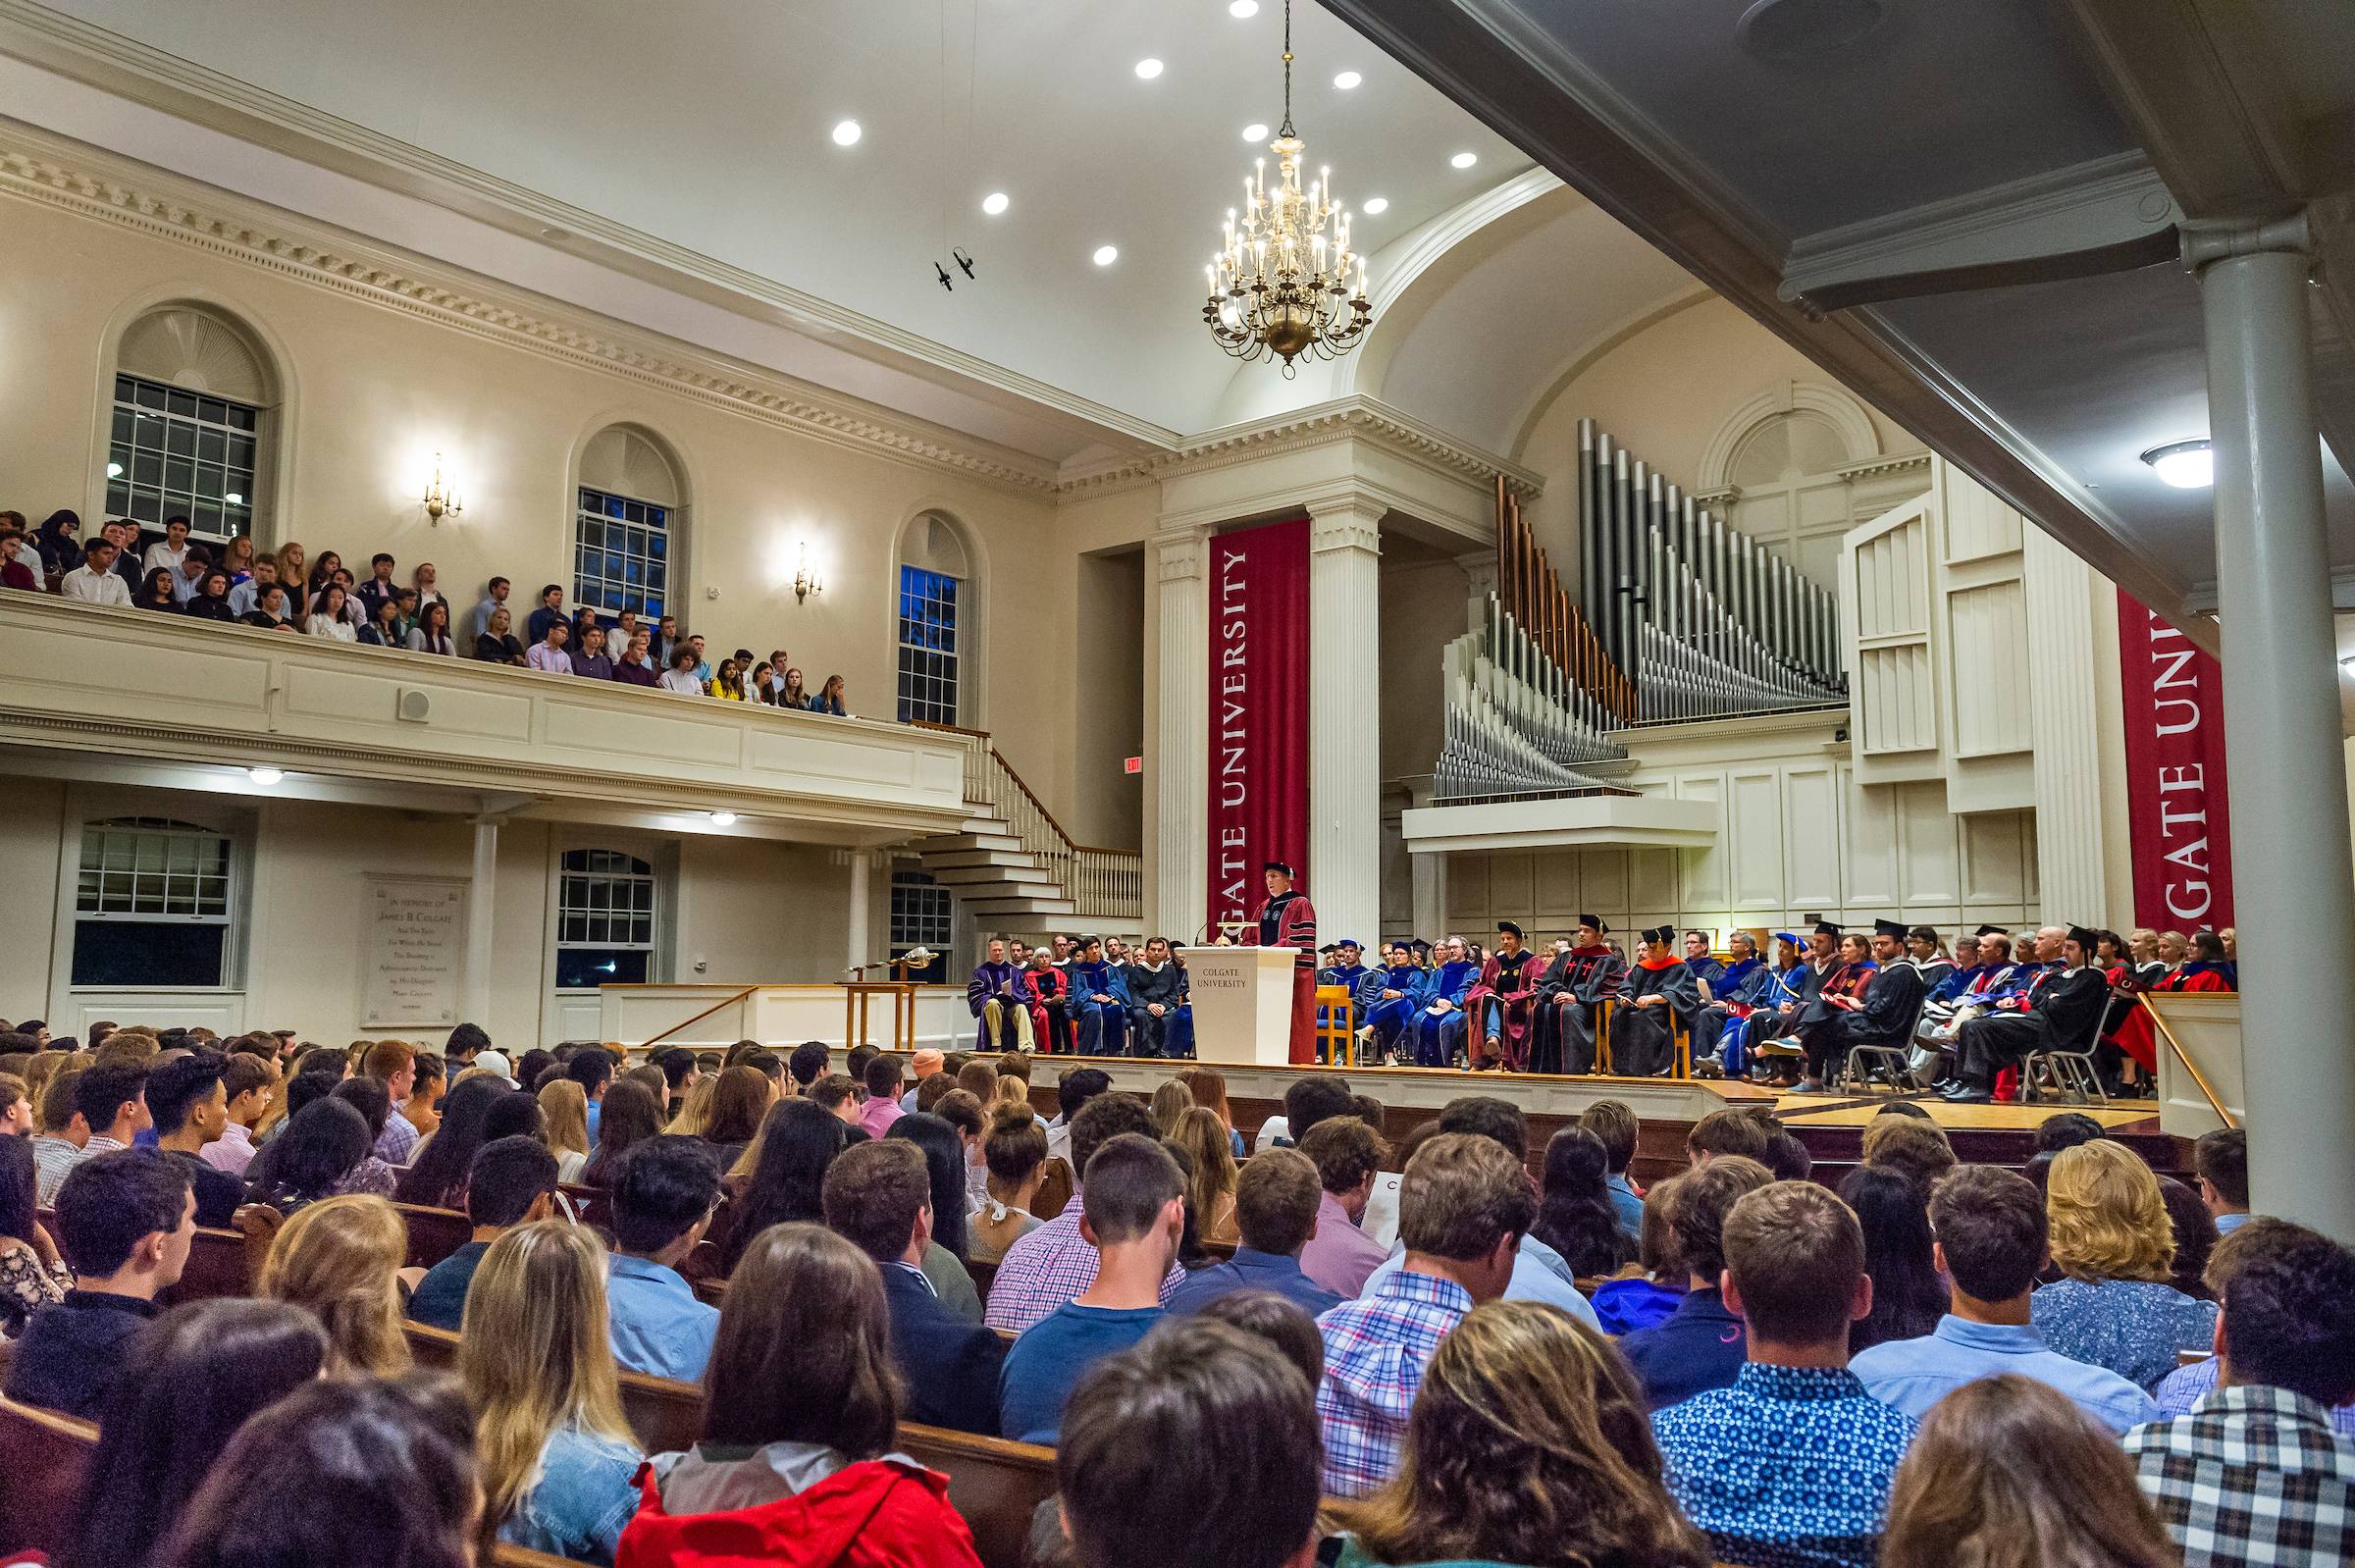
{"x": 651, "y": 878}
{"x": 142, "y": 817}
{"x": 235, "y": 519}
{"x": 953, "y": 655}
{"x": 583, "y": 515}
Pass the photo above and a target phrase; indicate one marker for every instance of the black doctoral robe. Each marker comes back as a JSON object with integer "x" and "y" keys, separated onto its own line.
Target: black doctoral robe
{"x": 1890, "y": 1005}
{"x": 1563, "y": 1038}
{"x": 2063, "y": 1012}
{"x": 1642, "y": 1043}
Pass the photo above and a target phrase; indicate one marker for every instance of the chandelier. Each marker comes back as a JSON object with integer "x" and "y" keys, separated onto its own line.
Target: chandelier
{"x": 1280, "y": 285}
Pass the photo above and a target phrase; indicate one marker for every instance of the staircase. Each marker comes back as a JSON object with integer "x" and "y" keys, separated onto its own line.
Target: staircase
{"x": 1012, "y": 866}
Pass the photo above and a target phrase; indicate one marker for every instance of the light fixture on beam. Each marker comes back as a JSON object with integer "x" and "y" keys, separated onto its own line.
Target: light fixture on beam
{"x": 723, "y": 819}
{"x": 442, "y": 498}
{"x": 266, "y": 777}
{"x": 2184, "y": 464}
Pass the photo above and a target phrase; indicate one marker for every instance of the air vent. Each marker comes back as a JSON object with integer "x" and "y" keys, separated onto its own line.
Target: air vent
{"x": 414, "y": 707}
{"x": 1791, "y": 32}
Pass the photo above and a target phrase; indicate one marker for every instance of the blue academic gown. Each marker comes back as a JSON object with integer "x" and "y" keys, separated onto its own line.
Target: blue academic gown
{"x": 1388, "y": 1019}
{"x": 1779, "y": 986}
{"x": 1438, "y": 1035}
{"x": 1952, "y": 988}
{"x": 1731, "y": 978}
{"x": 1351, "y": 978}
{"x": 1102, "y": 1026}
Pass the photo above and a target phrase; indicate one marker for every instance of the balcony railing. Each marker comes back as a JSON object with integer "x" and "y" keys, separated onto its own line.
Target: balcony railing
{"x": 1102, "y": 884}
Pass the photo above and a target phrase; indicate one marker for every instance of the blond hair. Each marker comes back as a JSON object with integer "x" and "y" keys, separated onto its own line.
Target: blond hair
{"x": 564, "y": 1116}
{"x": 695, "y": 1114}
{"x": 535, "y": 1355}
{"x": 1013, "y": 1091}
{"x": 1203, "y": 1136}
{"x": 1169, "y": 1102}
{"x": 342, "y": 1257}
{"x": 2107, "y": 1217}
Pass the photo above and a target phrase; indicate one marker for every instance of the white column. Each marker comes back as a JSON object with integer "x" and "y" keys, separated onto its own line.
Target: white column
{"x": 2064, "y": 725}
{"x": 481, "y": 920}
{"x": 861, "y": 898}
{"x": 1479, "y": 580}
{"x": 1345, "y": 760}
{"x": 1430, "y": 873}
{"x": 1180, "y": 761}
{"x": 2287, "y": 768}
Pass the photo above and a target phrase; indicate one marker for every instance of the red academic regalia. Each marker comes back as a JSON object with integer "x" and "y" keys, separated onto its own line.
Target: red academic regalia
{"x": 2134, "y": 1034}
{"x": 1514, "y": 990}
{"x": 1039, "y": 987}
{"x": 1288, "y": 919}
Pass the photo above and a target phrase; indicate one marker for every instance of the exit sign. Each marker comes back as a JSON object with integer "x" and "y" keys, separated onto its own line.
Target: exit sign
{"x": 1132, "y": 765}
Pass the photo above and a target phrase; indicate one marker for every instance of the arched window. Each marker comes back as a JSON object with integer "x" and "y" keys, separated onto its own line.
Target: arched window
{"x": 191, "y": 422}
{"x": 936, "y": 621}
{"x": 605, "y": 920}
{"x": 153, "y": 905}
{"x": 627, "y": 512}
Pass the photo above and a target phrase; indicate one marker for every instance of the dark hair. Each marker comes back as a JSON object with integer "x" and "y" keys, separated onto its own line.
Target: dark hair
{"x": 507, "y": 1177}
{"x": 2195, "y": 1234}
{"x": 1614, "y": 1122}
{"x": 798, "y": 1143}
{"x": 1126, "y": 1184}
{"x": 100, "y": 1093}
{"x": 1014, "y": 1144}
{"x": 1904, "y": 1108}
{"x": 1275, "y": 1201}
{"x": 1103, "y": 1119}
{"x": 318, "y": 1146}
{"x": 882, "y": 1075}
{"x": 360, "y": 1471}
{"x": 315, "y": 1081}
{"x": 661, "y": 1187}
{"x": 808, "y": 1061}
{"x": 676, "y": 1064}
{"x": 1907, "y": 1296}
{"x": 940, "y": 1096}
{"x": 111, "y": 1202}
{"x": 2066, "y": 1129}
{"x": 178, "y": 1086}
{"x": 514, "y": 1113}
{"x": 466, "y": 1037}
{"x": 1199, "y": 1448}
{"x": 1574, "y": 1207}
{"x": 944, "y": 1159}
{"x": 370, "y": 1098}
{"x": 2222, "y": 1159}
{"x": 1991, "y": 1224}
{"x": 1787, "y": 1157}
{"x": 18, "y": 1209}
{"x": 1728, "y": 1131}
{"x": 856, "y": 1060}
{"x": 1309, "y": 1101}
{"x": 439, "y": 1176}
{"x": 876, "y": 1194}
{"x": 628, "y": 1116}
{"x": 765, "y": 1062}
{"x": 1283, "y": 1325}
{"x": 834, "y": 1089}
{"x": 1079, "y": 1086}
{"x": 1487, "y": 1117}
{"x": 2289, "y": 1316}
{"x": 1699, "y": 1205}
{"x": 192, "y": 1379}
{"x": 591, "y": 1070}
{"x": 803, "y": 1348}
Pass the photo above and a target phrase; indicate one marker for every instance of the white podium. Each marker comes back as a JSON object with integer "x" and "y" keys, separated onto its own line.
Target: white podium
{"x": 1242, "y": 1002}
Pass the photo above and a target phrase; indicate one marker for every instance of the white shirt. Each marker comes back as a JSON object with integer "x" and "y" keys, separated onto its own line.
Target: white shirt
{"x": 419, "y": 643}
{"x": 95, "y": 588}
{"x": 329, "y": 626}
{"x": 160, "y": 554}
{"x": 680, "y": 680}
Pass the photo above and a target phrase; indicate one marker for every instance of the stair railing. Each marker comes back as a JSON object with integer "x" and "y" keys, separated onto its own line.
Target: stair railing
{"x": 1101, "y": 883}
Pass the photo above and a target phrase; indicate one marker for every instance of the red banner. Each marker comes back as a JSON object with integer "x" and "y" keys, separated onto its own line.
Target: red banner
{"x": 1258, "y": 711}
{"x": 2177, "y": 808}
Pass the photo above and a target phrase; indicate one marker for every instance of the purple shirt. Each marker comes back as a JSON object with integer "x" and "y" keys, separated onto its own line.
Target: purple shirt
{"x": 1340, "y": 1256}
{"x": 552, "y": 660}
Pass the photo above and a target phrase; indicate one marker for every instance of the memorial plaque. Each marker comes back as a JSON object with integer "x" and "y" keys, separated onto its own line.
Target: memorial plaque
{"x": 416, "y": 951}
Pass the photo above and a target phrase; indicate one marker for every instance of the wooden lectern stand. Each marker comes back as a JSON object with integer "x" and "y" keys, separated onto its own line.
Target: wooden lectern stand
{"x": 1242, "y": 1002}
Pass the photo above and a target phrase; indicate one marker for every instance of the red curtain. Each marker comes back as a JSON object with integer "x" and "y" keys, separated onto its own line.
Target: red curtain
{"x": 2178, "y": 805}
{"x": 1258, "y": 711}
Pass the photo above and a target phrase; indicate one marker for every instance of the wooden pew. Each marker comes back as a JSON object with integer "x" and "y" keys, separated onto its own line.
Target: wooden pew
{"x": 995, "y": 1485}
{"x": 434, "y": 1234}
{"x": 219, "y": 1265}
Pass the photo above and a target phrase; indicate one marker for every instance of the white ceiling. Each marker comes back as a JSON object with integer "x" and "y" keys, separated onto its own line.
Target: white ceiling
{"x": 704, "y": 125}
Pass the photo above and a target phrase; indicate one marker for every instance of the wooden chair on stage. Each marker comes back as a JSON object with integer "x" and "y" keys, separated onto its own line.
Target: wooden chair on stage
{"x": 1337, "y": 1026}
{"x": 1680, "y": 1036}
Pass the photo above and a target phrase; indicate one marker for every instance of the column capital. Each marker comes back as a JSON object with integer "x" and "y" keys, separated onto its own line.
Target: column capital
{"x": 1347, "y": 520}
{"x": 2204, "y": 243}
{"x": 1179, "y": 553}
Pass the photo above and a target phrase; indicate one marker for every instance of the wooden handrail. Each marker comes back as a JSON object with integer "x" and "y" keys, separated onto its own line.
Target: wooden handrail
{"x": 1030, "y": 795}
{"x": 699, "y": 1017}
{"x": 947, "y": 729}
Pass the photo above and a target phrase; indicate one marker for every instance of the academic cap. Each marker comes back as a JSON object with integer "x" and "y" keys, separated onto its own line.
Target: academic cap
{"x": 1419, "y": 946}
{"x": 2085, "y": 938}
{"x": 1792, "y": 937}
{"x": 1891, "y": 928}
{"x": 1329, "y": 946}
{"x": 1279, "y": 867}
{"x": 1596, "y": 921}
{"x": 1991, "y": 930}
{"x": 1660, "y": 933}
{"x": 1508, "y": 928}
{"x": 1826, "y": 928}
{"x": 1350, "y": 941}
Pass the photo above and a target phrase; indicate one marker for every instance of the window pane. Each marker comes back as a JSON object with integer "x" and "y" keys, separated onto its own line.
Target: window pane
{"x": 140, "y": 953}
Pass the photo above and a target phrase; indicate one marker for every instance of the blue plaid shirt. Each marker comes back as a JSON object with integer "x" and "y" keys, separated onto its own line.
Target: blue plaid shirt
{"x": 1375, "y": 1351}
{"x": 1789, "y": 1468}
{"x": 2186, "y": 1386}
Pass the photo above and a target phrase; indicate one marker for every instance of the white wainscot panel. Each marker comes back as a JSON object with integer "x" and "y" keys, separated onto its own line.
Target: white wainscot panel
{"x": 1989, "y": 631}
{"x": 1652, "y": 881}
{"x": 1754, "y": 822}
{"x": 1603, "y": 873}
{"x": 1510, "y": 884}
{"x": 1556, "y": 902}
{"x": 598, "y": 730}
{"x": 1998, "y": 860}
{"x": 1928, "y": 849}
{"x": 1872, "y": 828}
{"x": 341, "y": 697}
{"x": 1811, "y": 838}
{"x": 1703, "y": 872}
{"x": 221, "y": 1012}
{"x": 1467, "y": 888}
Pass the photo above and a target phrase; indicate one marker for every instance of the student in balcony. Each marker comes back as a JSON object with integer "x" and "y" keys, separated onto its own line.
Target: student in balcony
{"x": 326, "y": 618}
{"x": 211, "y": 601}
{"x": 498, "y": 644}
{"x": 269, "y": 610}
{"x": 186, "y": 580}
{"x": 592, "y": 660}
{"x": 236, "y": 559}
{"x": 379, "y": 588}
{"x": 244, "y": 591}
{"x": 323, "y": 571}
{"x": 172, "y": 551}
{"x": 634, "y": 667}
{"x": 155, "y": 591}
{"x": 20, "y": 565}
{"x": 55, "y": 545}
{"x": 549, "y": 654}
{"x": 830, "y": 700}
{"x": 551, "y": 612}
{"x": 680, "y": 677}
{"x": 761, "y": 688}
{"x": 431, "y": 634}
{"x": 427, "y": 582}
{"x": 495, "y": 597}
{"x": 384, "y": 623}
{"x": 792, "y": 694}
{"x": 728, "y": 683}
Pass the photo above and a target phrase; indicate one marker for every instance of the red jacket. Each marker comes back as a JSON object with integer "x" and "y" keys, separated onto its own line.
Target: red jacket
{"x": 878, "y": 1513}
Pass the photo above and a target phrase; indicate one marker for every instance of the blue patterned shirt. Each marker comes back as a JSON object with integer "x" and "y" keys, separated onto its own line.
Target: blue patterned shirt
{"x": 2132, "y": 1326}
{"x": 1789, "y": 1468}
{"x": 1376, "y": 1350}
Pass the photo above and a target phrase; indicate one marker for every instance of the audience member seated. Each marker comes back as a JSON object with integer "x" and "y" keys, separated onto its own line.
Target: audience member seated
{"x": 359, "y": 1471}
{"x": 798, "y": 1143}
{"x": 2254, "y": 1474}
{"x": 2188, "y": 1385}
{"x": 1647, "y": 1292}
{"x": 738, "y": 1101}
{"x": 1575, "y": 1216}
{"x": 1615, "y": 1122}
{"x": 1794, "y": 1461}
{"x": 513, "y": 1184}
{"x": 497, "y": 643}
{"x": 879, "y": 1196}
{"x": 1209, "y": 1185}
{"x": 1991, "y": 1244}
{"x": 2221, "y": 1159}
{"x": 2112, "y": 1241}
{"x": 794, "y": 1464}
{"x": 437, "y": 1178}
{"x": 1275, "y": 1203}
{"x": 190, "y": 1108}
{"x": 1912, "y": 1146}
{"x": 1057, "y": 1262}
{"x": 664, "y": 1190}
{"x": 190, "y": 1381}
{"x": 943, "y": 1260}
{"x": 125, "y": 1221}
{"x": 320, "y": 1152}
{"x": 1726, "y": 1131}
{"x": 342, "y": 1257}
{"x": 1348, "y": 1155}
{"x": 1909, "y": 1292}
{"x": 2004, "y": 1474}
{"x": 558, "y": 1461}
{"x": 248, "y": 1083}
{"x": 1702, "y": 1344}
{"x": 1132, "y": 1200}
{"x": 33, "y": 1275}
{"x": 373, "y": 1101}
{"x": 1015, "y": 1152}
{"x": 1197, "y": 1449}
{"x": 630, "y": 1113}
{"x": 1463, "y": 1209}
{"x": 106, "y": 1106}
{"x": 1528, "y": 1444}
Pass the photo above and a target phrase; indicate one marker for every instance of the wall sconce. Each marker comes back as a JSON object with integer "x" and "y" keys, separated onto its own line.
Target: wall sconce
{"x": 806, "y": 580}
{"x": 441, "y": 500}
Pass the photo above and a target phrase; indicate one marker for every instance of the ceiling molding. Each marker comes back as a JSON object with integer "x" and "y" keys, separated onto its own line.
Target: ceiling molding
{"x": 99, "y": 58}
{"x": 58, "y": 172}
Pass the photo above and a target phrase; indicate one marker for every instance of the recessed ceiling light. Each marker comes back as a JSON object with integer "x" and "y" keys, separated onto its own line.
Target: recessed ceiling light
{"x": 2184, "y": 464}
{"x": 1242, "y": 9}
{"x": 1255, "y": 131}
{"x": 1465, "y": 160}
{"x": 266, "y": 776}
{"x": 1375, "y": 206}
{"x": 723, "y": 819}
{"x": 847, "y": 134}
{"x": 1106, "y": 255}
{"x": 1347, "y": 80}
{"x": 1147, "y": 70}
{"x": 995, "y": 202}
